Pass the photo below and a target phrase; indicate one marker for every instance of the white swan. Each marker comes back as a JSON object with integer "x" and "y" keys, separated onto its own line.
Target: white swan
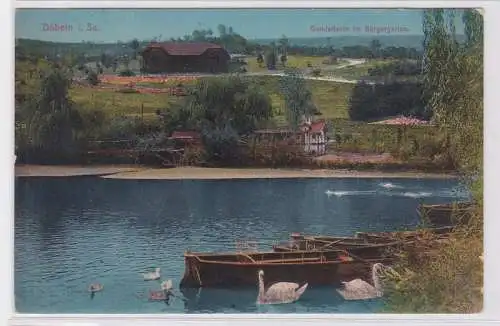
{"x": 152, "y": 276}
{"x": 360, "y": 290}
{"x": 95, "y": 287}
{"x": 278, "y": 293}
{"x": 166, "y": 285}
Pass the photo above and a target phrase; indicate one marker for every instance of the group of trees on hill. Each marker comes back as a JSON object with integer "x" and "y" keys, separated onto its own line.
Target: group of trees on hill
{"x": 370, "y": 102}
{"x": 397, "y": 68}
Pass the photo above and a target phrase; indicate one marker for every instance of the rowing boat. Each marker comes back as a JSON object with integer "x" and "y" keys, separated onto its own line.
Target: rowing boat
{"x": 446, "y": 214}
{"x": 313, "y": 267}
{"x": 403, "y": 236}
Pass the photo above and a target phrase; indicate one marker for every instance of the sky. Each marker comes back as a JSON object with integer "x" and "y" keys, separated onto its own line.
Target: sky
{"x": 111, "y": 25}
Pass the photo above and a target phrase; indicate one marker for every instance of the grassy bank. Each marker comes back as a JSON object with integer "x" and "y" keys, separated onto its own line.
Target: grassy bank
{"x": 445, "y": 279}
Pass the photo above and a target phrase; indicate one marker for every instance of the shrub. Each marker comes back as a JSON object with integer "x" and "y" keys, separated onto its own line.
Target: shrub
{"x": 369, "y": 102}
{"x": 93, "y": 78}
{"x": 446, "y": 277}
{"x": 282, "y": 156}
{"x": 126, "y": 73}
{"x": 127, "y": 90}
{"x": 330, "y": 61}
{"x": 316, "y": 72}
{"x": 120, "y": 127}
{"x": 193, "y": 155}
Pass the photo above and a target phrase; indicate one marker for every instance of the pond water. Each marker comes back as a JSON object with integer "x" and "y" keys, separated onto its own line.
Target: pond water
{"x": 72, "y": 231}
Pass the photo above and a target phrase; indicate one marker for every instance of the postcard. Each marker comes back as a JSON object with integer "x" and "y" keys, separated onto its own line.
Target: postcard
{"x": 248, "y": 161}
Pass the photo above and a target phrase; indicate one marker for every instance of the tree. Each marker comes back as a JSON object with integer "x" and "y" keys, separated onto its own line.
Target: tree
{"x": 52, "y": 118}
{"x": 134, "y": 45}
{"x": 260, "y": 59}
{"x": 284, "y": 49}
{"x": 223, "y": 110}
{"x": 283, "y": 59}
{"x": 453, "y": 75}
{"x": 271, "y": 57}
{"x": 126, "y": 61}
{"x": 222, "y": 30}
{"x": 375, "y": 47}
{"x": 115, "y": 64}
{"x": 298, "y": 97}
{"x": 93, "y": 78}
{"x": 106, "y": 60}
{"x": 142, "y": 63}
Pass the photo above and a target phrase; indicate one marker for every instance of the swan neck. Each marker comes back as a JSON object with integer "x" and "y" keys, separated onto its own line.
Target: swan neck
{"x": 261, "y": 286}
{"x": 376, "y": 280}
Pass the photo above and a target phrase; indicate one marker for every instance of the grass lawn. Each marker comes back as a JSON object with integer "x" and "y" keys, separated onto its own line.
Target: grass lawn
{"x": 293, "y": 61}
{"x": 115, "y": 103}
{"x": 380, "y": 138}
{"x": 332, "y": 99}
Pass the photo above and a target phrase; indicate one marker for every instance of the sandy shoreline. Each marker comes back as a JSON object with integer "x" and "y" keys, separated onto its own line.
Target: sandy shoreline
{"x": 197, "y": 173}
{"x": 70, "y": 171}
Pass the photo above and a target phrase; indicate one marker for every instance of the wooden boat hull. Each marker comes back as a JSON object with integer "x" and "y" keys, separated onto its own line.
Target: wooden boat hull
{"x": 362, "y": 247}
{"x": 446, "y": 214}
{"x": 315, "y": 268}
{"x": 403, "y": 236}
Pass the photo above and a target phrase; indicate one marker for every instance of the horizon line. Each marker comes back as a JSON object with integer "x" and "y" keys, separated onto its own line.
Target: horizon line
{"x": 249, "y": 39}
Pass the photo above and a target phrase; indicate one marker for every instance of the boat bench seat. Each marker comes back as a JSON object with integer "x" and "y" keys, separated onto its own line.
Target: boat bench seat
{"x": 289, "y": 260}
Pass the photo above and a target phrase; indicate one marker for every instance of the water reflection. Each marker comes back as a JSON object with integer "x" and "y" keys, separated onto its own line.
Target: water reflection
{"x": 241, "y": 300}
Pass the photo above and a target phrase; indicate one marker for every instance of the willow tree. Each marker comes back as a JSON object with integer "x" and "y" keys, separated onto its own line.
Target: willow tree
{"x": 52, "y": 120}
{"x": 453, "y": 81}
{"x": 298, "y": 97}
{"x": 454, "y": 90}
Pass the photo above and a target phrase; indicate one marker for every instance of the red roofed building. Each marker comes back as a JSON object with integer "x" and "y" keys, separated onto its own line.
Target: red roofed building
{"x": 314, "y": 136}
{"x": 182, "y": 57}
{"x": 311, "y": 135}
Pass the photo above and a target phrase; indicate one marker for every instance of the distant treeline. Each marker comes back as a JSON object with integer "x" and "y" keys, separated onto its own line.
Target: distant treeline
{"x": 371, "y": 102}
{"x": 227, "y": 37}
{"x": 356, "y": 52}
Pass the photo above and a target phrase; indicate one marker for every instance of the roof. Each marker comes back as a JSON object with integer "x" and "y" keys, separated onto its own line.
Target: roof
{"x": 184, "y": 48}
{"x": 185, "y": 135}
{"x": 318, "y": 126}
